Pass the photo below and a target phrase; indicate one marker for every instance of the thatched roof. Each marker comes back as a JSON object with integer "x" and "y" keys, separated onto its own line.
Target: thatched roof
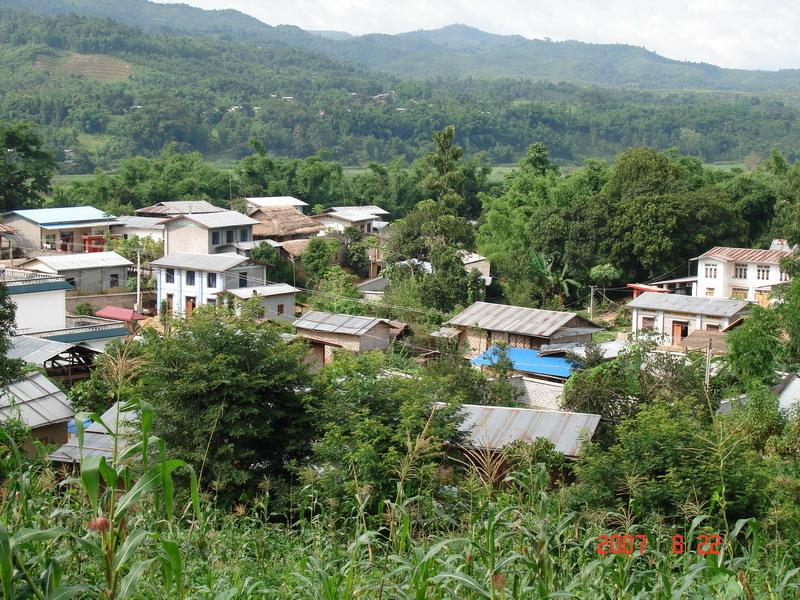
{"x": 295, "y": 248}
{"x": 283, "y": 221}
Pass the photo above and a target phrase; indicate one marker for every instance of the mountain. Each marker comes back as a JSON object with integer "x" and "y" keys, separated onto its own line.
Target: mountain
{"x": 452, "y": 51}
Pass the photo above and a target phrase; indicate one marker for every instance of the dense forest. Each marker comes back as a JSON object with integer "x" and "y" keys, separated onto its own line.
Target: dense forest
{"x": 103, "y": 91}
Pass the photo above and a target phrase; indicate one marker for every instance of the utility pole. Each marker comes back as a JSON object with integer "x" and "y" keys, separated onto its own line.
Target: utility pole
{"x": 591, "y": 302}
{"x": 138, "y": 306}
{"x": 708, "y": 364}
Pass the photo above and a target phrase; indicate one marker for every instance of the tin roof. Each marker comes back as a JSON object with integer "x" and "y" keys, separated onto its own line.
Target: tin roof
{"x": 225, "y": 218}
{"x": 494, "y": 427}
{"x": 610, "y": 349}
{"x": 35, "y": 350}
{"x": 349, "y": 214}
{"x": 119, "y": 314}
{"x": 97, "y": 441}
{"x": 64, "y": 216}
{"x": 71, "y": 262}
{"x": 137, "y": 222}
{"x": 334, "y": 323}
{"x": 274, "y": 289}
{"x": 512, "y": 319}
{"x": 693, "y": 305}
{"x": 745, "y": 255}
{"x": 36, "y": 401}
{"x": 525, "y": 360}
{"x": 266, "y": 201}
{"x": 180, "y": 207}
{"x": 372, "y": 209}
{"x": 201, "y": 262}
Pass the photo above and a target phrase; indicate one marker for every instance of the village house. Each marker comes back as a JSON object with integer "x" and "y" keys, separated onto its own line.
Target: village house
{"x": 40, "y": 299}
{"x": 484, "y": 324}
{"x": 673, "y": 317}
{"x": 64, "y": 362}
{"x": 142, "y": 227}
{"x": 38, "y": 403}
{"x": 275, "y": 202}
{"x": 275, "y": 299}
{"x": 164, "y": 210}
{"x": 367, "y": 219}
{"x": 187, "y": 280}
{"x": 207, "y": 233}
{"x": 741, "y": 273}
{"x": 88, "y": 273}
{"x": 327, "y": 331}
{"x": 283, "y": 223}
{"x": 73, "y": 229}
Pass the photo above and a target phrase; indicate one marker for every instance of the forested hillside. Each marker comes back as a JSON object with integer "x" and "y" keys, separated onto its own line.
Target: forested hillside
{"x": 104, "y": 91}
{"x": 453, "y": 51}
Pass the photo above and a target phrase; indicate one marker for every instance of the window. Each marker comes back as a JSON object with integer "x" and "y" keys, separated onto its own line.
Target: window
{"x": 710, "y": 327}
{"x": 215, "y": 238}
{"x": 169, "y": 276}
{"x": 711, "y": 270}
{"x": 114, "y": 282}
{"x": 762, "y": 272}
{"x": 739, "y": 293}
{"x": 50, "y": 241}
{"x": 280, "y": 309}
{"x": 211, "y": 302}
{"x": 169, "y": 303}
{"x": 740, "y": 271}
{"x": 242, "y": 280}
{"x": 709, "y": 291}
{"x": 71, "y": 281}
{"x": 243, "y": 235}
{"x": 784, "y": 276}
{"x": 648, "y": 323}
{"x": 229, "y": 236}
{"x": 189, "y": 277}
{"x": 211, "y": 280}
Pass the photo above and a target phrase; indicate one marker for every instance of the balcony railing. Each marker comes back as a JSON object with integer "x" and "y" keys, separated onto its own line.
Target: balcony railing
{"x": 23, "y": 277}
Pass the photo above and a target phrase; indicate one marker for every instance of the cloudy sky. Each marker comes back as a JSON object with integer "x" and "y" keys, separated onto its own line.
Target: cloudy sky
{"x": 749, "y": 34}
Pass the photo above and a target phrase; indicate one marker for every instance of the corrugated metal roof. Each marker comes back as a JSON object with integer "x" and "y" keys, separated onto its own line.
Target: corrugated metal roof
{"x": 610, "y": 349}
{"x": 274, "y": 289}
{"x": 446, "y": 332}
{"x": 512, "y": 319}
{"x": 35, "y": 350}
{"x": 726, "y": 254}
{"x": 70, "y": 224}
{"x": 36, "y": 401}
{"x": 276, "y": 201}
{"x": 97, "y": 441}
{"x": 693, "y": 305}
{"x": 228, "y": 218}
{"x": 494, "y": 427}
{"x": 372, "y": 209}
{"x": 137, "y": 222}
{"x": 70, "y": 214}
{"x": 335, "y": 323}
{"x": 201, "y": 262}
{"x": 180, "y": 207}
{"x": 119, "y": 314}
{"x": 351, "y": 216}
{"x": 525, "y": 360}
{"x": 84, "y": 260}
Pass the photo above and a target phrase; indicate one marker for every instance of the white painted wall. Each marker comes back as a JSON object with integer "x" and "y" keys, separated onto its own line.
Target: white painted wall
{"x": 725, "y": 282}
{"x": 40, "y": 311}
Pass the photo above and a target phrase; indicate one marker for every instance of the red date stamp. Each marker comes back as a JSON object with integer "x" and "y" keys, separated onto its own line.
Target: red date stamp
{"x": 626, "y": 544}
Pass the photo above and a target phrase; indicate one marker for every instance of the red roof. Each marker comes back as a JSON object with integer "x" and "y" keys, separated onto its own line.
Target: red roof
{"x": 119, "y": 314}
{"x": 746, "y": 255}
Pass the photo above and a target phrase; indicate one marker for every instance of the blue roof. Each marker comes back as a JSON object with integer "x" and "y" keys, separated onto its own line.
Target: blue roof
{"x": 70, "y": 214}
{"x": 44, "y": 286}
{"x": 528, "y": 361}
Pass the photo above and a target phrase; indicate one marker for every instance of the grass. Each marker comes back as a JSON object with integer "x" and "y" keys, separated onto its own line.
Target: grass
{"x": 93, "y": 142}
{"x": 93, "y": 66}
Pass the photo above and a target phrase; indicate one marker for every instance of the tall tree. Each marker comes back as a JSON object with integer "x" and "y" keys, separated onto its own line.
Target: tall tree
{"x": 25, "y": 167}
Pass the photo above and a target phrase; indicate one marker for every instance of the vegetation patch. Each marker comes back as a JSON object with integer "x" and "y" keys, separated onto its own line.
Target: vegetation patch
{"x": 93, "y": 66}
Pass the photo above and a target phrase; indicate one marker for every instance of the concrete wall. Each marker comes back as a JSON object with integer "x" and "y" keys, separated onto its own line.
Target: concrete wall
{"x": 155, "y": 234}
{"x": 97, "y": 279}
{"x": 49, "y": 434}
{"x": 663, "y": 322}
{"x": 726, "y": 283}
{"x": 186, "y": 236}
{"x": 29, "y": 233}
{"x": 536, "y": 393}
{"x": 40, "y": 311}
{"x": 483, "y": 266}
{"x": 121, "y": 300}
{"x": 270, "y": 306}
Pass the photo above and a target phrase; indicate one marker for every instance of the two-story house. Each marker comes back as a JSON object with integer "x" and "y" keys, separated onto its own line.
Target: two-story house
{"x": 40, "y": 299}
{"x": 70, "y": 229}
{"x": 187, "y": 280}
{"x": 741, "y": 273}
{"x": 207, "y": 233}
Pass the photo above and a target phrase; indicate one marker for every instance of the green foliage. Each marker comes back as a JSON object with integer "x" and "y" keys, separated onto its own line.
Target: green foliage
{"x": 84, "y": 308}
{"x": 318, "y": 258}
{"x": 279, "y": 269}
{"x": 147, "y": 248}
{"x": 10, "y": 368}
{"x": 25, "y": 167}
{"x": 429, "y": 224}
{"x": 355, "y": 250}
{"x": 448, "y": 285}
{"x": 336, "y": 293}
{"x": 754, "y": 347}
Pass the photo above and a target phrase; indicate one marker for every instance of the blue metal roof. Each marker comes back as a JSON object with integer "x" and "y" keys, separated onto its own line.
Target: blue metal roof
{"x": 45, "y": 286}
{"x": 70, "y": 214}
{"x": 528, "y": 361}
{"x": 85, "y": 336}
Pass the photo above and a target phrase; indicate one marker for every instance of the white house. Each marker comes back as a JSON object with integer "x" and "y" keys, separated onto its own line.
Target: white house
{"x": 187, "y": 280}
{"x": 366, "y": 219}
{"x": 40, "y": 299}
{"x": 88, "y": 272}
{"x": 70, "y": 229}
{"x": 741, "y": 273}
{"x": 127, "y": 226}
{"x": 276, "y": 299}
{"x": 275, "y": 202}
{"x": 207, "y": 233}
{"x": 674, "y": 316}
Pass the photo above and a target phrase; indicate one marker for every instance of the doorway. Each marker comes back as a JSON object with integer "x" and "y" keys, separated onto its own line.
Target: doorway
{"x": 191, "y": 302}
{"x": 680, "y": 329}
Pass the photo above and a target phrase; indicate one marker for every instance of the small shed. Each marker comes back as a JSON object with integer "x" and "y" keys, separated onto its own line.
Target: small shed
{"x": 88, "y": 272}
{"x": 96, "y": 439}
{"x": 64, "y": 362}
{"x": 277, "y": 299}
{"x": 39, "y": 404}
{"x": 328, "y": 331}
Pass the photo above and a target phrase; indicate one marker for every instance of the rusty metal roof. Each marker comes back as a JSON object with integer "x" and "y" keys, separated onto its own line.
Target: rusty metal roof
{"x": 746, "y": 255}
{"x": 494, "y": 427}
{"x": 512, "y": 319}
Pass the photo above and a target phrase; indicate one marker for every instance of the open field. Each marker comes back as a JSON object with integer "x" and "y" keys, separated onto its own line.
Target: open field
{"x": 94, "y": 66}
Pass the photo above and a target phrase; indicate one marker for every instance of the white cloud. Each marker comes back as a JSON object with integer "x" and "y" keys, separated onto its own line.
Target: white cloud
{"x": 730, "y": 33}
